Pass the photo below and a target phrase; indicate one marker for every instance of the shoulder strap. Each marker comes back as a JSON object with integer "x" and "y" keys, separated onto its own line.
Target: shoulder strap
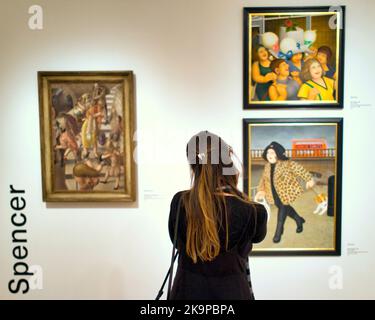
{"x": 174, "y": 248}
{"x": 174, "y": 256}
{"x": 255, "y": 212}
{"x": 247, "y": 261}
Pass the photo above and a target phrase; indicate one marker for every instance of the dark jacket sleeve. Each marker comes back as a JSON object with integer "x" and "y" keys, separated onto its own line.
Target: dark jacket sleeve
{"x": 261, "y": 224}
{"x": 172, "y": 215}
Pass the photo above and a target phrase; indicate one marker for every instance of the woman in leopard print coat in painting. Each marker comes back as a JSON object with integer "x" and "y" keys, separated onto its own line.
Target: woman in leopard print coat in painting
{"x": 279, "y": 185}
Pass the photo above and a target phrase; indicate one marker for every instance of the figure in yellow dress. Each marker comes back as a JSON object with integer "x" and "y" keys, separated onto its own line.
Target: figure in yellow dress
{"x": 316, "y": 85}
{"x": 90, "y": 129}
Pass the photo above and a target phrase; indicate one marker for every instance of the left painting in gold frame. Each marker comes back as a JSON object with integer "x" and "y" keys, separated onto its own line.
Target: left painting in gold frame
{"x": 86, "y": 136}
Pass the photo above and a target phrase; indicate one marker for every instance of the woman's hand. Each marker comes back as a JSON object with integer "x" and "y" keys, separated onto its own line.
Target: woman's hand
{"x": 270, "y": 77}
{"x": 313, "y": 93}
{"x": 259, "y": 196}
{"x": 310, "y": 184}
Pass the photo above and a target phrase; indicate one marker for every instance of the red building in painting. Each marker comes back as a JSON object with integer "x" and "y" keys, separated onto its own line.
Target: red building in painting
{"x": 309, "y": 148}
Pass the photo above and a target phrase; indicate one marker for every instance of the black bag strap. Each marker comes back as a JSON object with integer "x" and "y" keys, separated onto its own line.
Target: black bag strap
{"x": 255, "y": 222}
{"x": 248, "y": 274}
{"x": 173, "y": 259}
{"x": 174, "y": 248}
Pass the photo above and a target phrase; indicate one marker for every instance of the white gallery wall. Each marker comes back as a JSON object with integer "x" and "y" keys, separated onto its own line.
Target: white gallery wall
{"x": 187, "y": 59}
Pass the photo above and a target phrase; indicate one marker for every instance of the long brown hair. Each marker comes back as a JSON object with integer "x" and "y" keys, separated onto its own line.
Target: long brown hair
{"x": 212, "y": 168}
{"x": 305, "y": 72}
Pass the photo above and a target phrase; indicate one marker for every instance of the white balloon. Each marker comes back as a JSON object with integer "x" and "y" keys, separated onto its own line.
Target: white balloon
{"x": 269, "y": 39}
{"x": 288, "y": 44}
{"x": 310, "y": 36}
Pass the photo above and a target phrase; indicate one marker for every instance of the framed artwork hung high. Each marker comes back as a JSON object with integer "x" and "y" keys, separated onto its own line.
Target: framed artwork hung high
{"x": 294, "y": 168}
{"x": 86, "y": 136}
{"x": 294, "y": 57}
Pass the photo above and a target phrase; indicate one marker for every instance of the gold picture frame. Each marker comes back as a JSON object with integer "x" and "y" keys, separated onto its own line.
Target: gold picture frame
{"x": 86, "y": 136}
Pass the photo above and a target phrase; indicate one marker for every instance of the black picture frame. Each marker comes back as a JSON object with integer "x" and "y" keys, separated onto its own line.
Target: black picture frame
{"x": 249, "y": 104}
{"x": 338, "y": 122}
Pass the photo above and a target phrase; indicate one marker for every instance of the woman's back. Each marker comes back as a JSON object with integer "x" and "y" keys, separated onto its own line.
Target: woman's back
{"x": 225, "y": 276}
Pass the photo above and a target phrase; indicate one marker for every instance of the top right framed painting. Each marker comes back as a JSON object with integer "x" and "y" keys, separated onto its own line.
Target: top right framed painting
{"x": 294, "y": 57}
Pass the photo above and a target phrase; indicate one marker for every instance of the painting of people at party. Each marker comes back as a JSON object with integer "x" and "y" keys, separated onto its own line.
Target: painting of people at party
{"x": 294, "y": 58}
{"x": 293, "y": 167}
{"x": 86, "y": 136}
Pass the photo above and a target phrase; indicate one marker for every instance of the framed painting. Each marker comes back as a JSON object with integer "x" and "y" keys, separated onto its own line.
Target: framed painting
{"x": 294, "y": 168}
{"x": 294, "y": 57}
{"x": 86, "y": 136}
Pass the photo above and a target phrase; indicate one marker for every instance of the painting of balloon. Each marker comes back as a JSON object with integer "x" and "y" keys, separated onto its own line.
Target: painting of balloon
{"x": 86, "y": 123}
{"x": 294, "y": 57}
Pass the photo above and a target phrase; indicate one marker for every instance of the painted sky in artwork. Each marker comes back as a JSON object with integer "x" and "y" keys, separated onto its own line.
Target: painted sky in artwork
{"x": 261, "y": 136}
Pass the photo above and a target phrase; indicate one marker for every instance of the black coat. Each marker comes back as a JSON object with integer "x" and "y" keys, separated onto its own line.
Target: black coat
{"x": 225, "y": 277}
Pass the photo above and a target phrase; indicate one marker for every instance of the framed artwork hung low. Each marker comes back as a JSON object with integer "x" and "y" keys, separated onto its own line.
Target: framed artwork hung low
{"x": 86, "y": 136}
{"x": 294, "y": 57}
{"x": 294, "y": 168}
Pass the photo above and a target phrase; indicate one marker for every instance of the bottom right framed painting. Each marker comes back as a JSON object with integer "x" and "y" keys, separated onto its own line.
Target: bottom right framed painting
{"x": 294, "y": 168}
